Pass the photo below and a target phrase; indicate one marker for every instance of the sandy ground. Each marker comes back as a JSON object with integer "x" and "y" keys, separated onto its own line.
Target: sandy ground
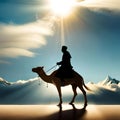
{"x": 53, "y": 112}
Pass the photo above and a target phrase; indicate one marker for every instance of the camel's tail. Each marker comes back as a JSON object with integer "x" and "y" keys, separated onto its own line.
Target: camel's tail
{"x": 86, "y": 86}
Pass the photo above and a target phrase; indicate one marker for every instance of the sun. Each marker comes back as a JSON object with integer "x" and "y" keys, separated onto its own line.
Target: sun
{"x": 62, "y": 7}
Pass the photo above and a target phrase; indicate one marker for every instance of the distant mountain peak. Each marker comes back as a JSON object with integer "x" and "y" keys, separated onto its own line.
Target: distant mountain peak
{"x": 109, "y": 81}
{"x": 108, "y": 77}
{"x": 2, "y": 81}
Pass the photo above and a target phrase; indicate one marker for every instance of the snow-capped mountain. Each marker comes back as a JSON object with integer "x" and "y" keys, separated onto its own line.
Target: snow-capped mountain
{"x": 106, "y": 91}
{"x": 34, "y": 91}
{"x": 4, "y": 82}
{"x": 109, "y": 81}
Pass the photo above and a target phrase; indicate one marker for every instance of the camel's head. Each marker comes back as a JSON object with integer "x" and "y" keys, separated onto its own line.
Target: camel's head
{"x": 37, "y": 69}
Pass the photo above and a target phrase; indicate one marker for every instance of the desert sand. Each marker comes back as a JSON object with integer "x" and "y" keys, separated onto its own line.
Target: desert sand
{"x": 53, "y": 112}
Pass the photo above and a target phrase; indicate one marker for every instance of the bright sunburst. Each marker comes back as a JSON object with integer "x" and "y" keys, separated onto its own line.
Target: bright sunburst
{"x": 62, "y": 7}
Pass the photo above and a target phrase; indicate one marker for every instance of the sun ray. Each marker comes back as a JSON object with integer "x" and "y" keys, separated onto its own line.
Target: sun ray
{"x": 64, "y": 10}
{"x": 62, "y": 32}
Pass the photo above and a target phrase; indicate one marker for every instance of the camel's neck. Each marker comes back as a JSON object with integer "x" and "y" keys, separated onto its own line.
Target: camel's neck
{"x": 44, "y": 77}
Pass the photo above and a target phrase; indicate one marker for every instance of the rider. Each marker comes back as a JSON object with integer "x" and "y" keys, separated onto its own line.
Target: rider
{"x": 65, "y": 70}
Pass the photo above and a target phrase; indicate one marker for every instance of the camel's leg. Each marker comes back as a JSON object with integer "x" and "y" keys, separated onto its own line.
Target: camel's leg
{"x": 60, "y": 94}
{"x": 85, "y": 97}
{"x": 75, "y": 93}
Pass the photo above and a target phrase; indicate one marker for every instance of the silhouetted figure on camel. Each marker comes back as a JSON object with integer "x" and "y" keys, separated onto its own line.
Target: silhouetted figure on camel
{"x": 65, "y": 70}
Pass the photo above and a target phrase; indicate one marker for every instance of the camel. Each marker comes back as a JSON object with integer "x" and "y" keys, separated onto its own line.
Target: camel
{"x": 76, "y": 81}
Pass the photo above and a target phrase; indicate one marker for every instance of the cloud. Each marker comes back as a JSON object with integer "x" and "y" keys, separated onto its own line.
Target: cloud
{"x": 19, "y": 40}
{"x": 15, "y": 52}
{"x": 107, "y": 4}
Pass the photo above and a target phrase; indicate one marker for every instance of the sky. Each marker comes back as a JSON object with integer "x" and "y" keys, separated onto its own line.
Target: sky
{"x": 30, "y": 36}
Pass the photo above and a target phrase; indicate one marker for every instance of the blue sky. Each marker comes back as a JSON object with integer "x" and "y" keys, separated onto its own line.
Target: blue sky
{"x": 30, "y": 37}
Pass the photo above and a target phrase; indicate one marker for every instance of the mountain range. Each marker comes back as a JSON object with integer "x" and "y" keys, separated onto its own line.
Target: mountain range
{"x": 34, "y": 91}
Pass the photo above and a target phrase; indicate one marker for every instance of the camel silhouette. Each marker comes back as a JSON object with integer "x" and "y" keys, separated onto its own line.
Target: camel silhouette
{"x": 76, "y": 81}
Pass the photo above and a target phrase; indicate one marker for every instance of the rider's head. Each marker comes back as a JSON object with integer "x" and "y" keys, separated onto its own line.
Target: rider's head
{"x": 64, "y": 48}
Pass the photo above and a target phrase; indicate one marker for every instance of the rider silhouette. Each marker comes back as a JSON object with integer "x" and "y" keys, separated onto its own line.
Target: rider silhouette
{"x": 65, "y": 70}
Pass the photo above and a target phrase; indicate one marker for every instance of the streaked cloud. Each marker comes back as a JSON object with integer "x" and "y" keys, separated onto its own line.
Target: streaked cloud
{"x": 109, "y": 4}
{"x": 18, "y": 40}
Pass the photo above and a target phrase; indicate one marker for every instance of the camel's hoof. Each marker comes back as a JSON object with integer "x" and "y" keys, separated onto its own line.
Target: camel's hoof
{"x": 59, "y": 105}
{"x": 85, "y": 105}
{"x": 71, "y": 103}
